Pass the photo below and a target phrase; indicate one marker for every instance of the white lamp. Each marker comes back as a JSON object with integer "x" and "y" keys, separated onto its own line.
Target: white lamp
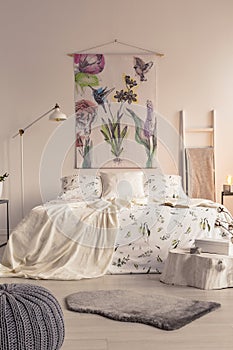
{"x": 56, "y": 115}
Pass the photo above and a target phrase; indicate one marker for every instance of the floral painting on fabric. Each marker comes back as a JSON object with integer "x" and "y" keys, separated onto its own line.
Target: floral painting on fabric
{"x": 115, "y": 110}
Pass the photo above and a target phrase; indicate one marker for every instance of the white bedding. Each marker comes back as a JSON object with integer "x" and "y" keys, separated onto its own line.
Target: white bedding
{"x": 61, "y": 240}
{"x": 79, "y": 239}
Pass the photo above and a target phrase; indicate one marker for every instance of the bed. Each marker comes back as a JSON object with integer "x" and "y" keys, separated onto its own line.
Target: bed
{"x": 111, "y": 223}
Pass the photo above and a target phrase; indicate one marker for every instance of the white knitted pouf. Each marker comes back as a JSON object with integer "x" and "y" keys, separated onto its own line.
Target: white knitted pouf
{"x": 30, "y": 318}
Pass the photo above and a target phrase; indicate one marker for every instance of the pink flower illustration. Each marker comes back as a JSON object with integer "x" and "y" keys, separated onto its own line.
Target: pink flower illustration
{"x": 86, "y": 112}
{"x": 89, "y": 63}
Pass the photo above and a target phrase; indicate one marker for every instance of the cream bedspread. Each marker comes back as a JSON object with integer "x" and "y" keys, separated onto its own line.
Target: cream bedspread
{"x": 62, "y": 241}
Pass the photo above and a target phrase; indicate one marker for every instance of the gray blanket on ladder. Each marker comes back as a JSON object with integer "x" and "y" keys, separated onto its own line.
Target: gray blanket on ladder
{"x": 200, "y": 172}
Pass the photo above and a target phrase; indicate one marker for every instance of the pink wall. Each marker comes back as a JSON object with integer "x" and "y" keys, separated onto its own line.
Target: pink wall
{"x": 196, "y": 73}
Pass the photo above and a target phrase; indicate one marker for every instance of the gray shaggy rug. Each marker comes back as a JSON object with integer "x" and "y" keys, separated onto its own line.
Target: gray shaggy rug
{"x": 161, "y": 311}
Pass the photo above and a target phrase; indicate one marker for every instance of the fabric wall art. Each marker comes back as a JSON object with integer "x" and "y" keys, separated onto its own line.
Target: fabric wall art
{"x": 115, "y": 110}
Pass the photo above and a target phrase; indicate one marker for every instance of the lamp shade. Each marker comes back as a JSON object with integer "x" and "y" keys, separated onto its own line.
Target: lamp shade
{"x": 57, "y": 115}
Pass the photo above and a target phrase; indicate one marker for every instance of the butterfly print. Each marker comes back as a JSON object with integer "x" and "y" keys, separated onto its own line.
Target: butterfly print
{"x": 141, "y": 67}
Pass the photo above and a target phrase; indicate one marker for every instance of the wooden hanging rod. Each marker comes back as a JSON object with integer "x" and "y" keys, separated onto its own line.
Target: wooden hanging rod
{"x": 117, "y": 42}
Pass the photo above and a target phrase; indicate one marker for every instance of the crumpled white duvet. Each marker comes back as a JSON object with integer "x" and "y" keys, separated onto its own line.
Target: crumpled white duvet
{"x": 62, "y": 241}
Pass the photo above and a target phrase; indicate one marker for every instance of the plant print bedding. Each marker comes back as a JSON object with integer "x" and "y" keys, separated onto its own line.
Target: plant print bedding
{"x": 146, "y": 234}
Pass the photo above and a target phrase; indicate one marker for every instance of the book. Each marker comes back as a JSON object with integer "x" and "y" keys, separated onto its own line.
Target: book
{"x": 189, "y": 203}
{"x": 215, "y": 246}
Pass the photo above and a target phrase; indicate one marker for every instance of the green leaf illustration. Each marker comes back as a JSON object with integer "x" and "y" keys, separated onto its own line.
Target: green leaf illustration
{"x": 84, "y": 79}
{"x": 139, "y": 125}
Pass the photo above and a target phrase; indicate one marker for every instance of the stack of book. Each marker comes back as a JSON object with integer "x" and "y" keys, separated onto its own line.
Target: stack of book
{"x": 215, "y": 246}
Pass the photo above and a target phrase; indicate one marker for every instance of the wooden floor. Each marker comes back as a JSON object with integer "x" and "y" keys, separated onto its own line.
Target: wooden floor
{"x": 92, "y": 332}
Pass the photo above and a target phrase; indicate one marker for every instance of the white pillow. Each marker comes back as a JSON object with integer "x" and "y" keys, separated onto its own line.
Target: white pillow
{"x": 81, "y": 187}
{"x": 123, "y": 185}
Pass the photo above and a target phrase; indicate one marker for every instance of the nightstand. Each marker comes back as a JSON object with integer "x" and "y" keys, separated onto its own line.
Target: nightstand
{"x": 6, "y": 202}
{"x": 225, "y": 194}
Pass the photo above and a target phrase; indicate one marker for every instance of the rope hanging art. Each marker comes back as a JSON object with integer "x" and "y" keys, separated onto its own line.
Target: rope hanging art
{"x": 115, "y": 100}
{"x": 117, "y": 42}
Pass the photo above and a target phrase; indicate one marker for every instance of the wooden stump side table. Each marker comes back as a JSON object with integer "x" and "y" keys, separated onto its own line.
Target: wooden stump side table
{"x": 204, "y": 271}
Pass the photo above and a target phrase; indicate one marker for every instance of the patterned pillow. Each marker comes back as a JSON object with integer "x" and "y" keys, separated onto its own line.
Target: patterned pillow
{"x": 160, "y": 186}
{"x": 81, "y": 187}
